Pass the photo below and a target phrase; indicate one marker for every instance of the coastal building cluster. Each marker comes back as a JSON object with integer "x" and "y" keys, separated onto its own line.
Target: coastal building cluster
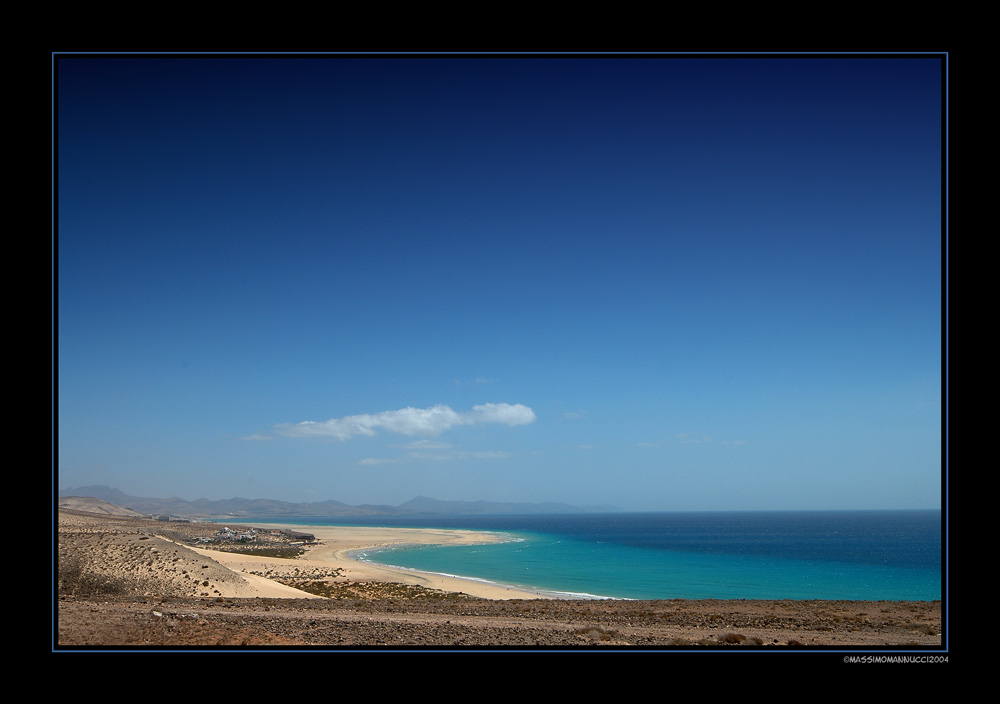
{"x": 258, "y": 535}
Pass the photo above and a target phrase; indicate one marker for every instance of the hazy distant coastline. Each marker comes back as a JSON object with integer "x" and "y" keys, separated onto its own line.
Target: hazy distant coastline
{"x": 263, "y": 508}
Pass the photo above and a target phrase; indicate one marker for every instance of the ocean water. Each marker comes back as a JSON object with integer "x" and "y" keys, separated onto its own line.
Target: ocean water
{"x": 872, "y": 555}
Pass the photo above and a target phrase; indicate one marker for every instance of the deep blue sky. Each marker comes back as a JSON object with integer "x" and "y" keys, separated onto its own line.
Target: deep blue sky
{"x": 659, "y": 283}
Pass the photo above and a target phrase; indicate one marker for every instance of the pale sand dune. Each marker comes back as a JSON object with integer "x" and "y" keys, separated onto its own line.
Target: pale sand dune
{"x": 334, "y": 543}
{"x": 255, "y": 585}
{"x": 104, "y": 546}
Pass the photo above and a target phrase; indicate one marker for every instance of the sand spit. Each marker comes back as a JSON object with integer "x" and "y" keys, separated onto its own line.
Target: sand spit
{"x": 132, "y": 582}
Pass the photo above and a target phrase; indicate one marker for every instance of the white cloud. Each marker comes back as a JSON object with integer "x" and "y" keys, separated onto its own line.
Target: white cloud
{"x": 425, "y": 422}
{"x": 501, "y": 413}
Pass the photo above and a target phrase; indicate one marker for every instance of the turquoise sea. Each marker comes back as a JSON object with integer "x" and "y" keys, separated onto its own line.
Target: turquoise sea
{"x": 871, "y": 555}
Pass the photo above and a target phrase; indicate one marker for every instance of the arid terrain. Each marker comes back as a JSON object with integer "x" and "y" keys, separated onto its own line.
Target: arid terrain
{"x": 126, "y": 581}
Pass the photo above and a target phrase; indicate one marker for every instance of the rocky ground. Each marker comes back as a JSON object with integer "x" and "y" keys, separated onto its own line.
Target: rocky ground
{"x": 127, "y": 582}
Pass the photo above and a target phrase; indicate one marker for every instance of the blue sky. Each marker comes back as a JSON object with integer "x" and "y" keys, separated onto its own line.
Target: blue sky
{"x": 683, "y": 283}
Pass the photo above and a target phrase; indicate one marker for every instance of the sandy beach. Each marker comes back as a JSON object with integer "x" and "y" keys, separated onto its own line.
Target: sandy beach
{"x": 334, "y": 545}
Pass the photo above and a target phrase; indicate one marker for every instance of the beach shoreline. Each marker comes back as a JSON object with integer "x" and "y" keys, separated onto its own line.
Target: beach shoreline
{"x": 339, "y": 547}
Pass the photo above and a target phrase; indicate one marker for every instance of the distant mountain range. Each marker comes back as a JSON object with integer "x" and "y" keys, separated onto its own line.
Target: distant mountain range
{"x": 263, "y": 508}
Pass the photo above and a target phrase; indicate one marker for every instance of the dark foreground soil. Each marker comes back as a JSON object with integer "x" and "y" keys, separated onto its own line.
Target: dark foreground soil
{"x": 442, "y": 622}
